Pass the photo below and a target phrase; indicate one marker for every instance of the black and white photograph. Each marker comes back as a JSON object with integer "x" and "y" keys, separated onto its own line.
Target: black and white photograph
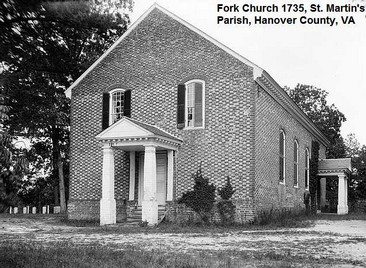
{"x": 196, "y": 133}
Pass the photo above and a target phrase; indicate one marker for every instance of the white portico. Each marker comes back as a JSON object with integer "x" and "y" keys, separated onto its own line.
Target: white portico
{"x": 335, "y": 168}
{"x": 145, "y": 141}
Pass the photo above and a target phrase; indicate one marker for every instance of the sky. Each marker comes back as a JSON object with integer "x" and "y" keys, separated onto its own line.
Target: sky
{"x": 332, "y": 58}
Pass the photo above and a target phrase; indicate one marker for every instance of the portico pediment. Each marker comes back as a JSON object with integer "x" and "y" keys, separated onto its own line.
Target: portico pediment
{"x": 335, "y": 167}
{"x": 130, "y": 133}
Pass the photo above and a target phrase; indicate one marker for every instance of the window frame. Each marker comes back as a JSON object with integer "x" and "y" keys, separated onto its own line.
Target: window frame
{"x": 111, "y": 103}
{"x": 283, "y": 181}
{"x": 307, "y": 168}
{"x": 296, "y": 164}
{"x": 186, "y": 104}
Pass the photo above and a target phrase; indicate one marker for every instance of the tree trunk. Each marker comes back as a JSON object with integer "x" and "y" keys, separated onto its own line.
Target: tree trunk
{"x": 61, "y": 183}
{"x": 57, "y": 164}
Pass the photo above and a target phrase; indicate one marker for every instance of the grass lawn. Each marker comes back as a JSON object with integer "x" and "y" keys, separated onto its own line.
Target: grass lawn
{"x": 52, "y": 241}
{"x": 20, "y": 254}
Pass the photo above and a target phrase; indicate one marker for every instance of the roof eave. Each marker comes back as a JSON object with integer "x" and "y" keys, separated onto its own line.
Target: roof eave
{"x": 294, "y": 109}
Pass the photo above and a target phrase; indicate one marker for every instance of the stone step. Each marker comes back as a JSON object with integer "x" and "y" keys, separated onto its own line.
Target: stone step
{"x": 135, "y": 218}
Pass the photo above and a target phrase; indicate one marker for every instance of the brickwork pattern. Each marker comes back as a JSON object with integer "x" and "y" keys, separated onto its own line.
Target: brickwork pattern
{"x": 270, "y": 118}
{"x": 156, "y": 56}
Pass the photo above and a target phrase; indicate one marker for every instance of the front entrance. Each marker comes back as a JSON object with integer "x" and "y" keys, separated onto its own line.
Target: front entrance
{"x": 161, "y": 176}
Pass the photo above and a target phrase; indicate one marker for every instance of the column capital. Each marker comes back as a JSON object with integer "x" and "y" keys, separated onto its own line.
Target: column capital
{"x": 150, "y": 148}
{"x": 106, "y": 146}
{"x": 342, "y": 176}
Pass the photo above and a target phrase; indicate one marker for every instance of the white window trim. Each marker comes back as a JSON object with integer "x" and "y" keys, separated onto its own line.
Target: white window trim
{"x": 284, "y": 158}
{"x": 308, "y": 168}
{"x": 203, "y": 103}
{"x": 111, "y": 102}
{"x": 297, "y": 164}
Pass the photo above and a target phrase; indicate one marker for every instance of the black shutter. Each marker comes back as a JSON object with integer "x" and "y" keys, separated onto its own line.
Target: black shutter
{"x": 127, "y": 104}
{"x": 105, "y": 111}
{"x": 181, "y": 106}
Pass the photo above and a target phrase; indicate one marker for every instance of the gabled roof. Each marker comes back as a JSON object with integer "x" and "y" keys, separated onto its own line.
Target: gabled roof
{"x": 259, "y": 75}
{"x": 257, "y": 71}
{"x": 127, "y": 128}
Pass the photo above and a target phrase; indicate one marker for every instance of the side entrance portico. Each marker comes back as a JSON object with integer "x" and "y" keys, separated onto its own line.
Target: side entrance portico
{"x": 339, "y": 169}
{"x": 155, "y": 182}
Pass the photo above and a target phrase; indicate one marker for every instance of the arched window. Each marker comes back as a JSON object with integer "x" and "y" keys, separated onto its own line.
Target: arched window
{"x": 282, "y": 158}
{"x": 191, "y": 101}
{"x": 307, "y": 163}
{"x": 296, "y": 163}
{"x": 116, "y": 104}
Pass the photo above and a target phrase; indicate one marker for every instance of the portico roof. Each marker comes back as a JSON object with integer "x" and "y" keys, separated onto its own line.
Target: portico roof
{"x": 333, "y": 166}
{"x": 132, "y": 135}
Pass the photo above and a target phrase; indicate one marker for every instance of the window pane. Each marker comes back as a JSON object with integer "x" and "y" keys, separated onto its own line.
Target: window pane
{"x": 295, "y": 174}
{"x": 295, "y": 151}
{"x": 190, "y": 95}
{"x": 198, "y": 105}
{"x": 117, "y": 105}
{"x": 281, "y": 168}
{"x": 281, "y": 143}
{"x": 198, "y": 116}
{"x": 306, "y": 178}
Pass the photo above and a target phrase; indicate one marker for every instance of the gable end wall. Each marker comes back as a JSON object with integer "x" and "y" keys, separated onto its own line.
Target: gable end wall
{"x": 157, "y": 55}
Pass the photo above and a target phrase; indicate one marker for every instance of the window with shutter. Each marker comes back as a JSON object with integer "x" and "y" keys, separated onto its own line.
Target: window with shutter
{"x": 116, "y": 104}
{"x": 191, "y": 105}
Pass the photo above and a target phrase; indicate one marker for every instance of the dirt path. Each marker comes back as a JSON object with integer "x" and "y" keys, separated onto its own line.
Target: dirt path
{"x": 337, "y": 240}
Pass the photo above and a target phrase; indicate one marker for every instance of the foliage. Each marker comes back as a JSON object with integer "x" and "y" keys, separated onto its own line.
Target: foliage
{"x": 357, "y": 181}
{"x": 44, "y": 47}
{"x": 313, "y": 176}
{"x": 202, "y": 198}
{"x": 13, "y": 165}
{"x": 225, "y": 206}
{"x": 312, "y": 101}
{"x": 227, "y": 191}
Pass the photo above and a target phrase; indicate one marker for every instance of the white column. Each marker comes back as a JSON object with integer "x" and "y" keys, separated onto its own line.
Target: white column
{"x": 131, "y": 195}
{"x": 169, "y": 194}
{"x": 346, "y": 190}
{"x": 342, "y": 207}
{"x": 323, "y": 191}
{"x": 108, "y": 203}
{"x": 150, "y": 203}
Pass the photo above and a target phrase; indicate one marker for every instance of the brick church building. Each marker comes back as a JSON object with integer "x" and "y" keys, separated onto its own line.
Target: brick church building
{"x": 166, "y": 99}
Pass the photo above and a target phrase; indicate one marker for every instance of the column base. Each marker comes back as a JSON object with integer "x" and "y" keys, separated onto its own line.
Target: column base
{"x": 107, "y": 211}
{"x": 150, "y": 212}
{"x": 342, "y": 210}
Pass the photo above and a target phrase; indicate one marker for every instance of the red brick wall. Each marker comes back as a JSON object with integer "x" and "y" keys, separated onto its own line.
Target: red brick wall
{"x": 158, "y": 55}
{"x": 270, "y": 118}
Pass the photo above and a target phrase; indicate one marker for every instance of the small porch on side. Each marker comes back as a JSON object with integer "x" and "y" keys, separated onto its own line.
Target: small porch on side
{"x": 340, "y": 170}
{"x": 155, "y": 150}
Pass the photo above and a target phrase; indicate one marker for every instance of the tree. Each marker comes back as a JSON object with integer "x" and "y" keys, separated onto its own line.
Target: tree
{"x": 225, "y": 205}
{"x": 357, "y": 182}
{"x": 313, "y": 176}
{"x": 44, "y": 47}
{"x": 202, "y": 198}
{"x": 312, "y": 101}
